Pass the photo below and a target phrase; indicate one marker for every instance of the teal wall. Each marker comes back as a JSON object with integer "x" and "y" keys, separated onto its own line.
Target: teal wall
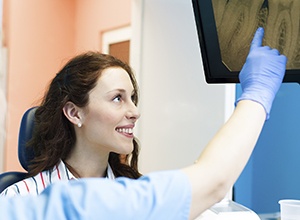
{"x": 273, "y": 171}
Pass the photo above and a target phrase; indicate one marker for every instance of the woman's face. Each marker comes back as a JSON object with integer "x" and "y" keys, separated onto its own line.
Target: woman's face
{"x": 110, "y": 116}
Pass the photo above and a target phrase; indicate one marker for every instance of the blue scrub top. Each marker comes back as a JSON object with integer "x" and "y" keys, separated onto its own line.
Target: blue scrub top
{"x": 160, "y": 195}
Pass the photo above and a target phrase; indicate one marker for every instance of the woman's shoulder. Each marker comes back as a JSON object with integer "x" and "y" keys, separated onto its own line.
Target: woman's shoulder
{"x": 23, "y": 187}
{"x": 36, "y": 184}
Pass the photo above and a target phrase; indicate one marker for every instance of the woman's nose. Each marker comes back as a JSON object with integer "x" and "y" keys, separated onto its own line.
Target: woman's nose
{"x": 133, "y": 112}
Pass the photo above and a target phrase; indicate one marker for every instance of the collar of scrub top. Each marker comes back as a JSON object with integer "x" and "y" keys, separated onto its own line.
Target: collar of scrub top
{"x": 109, "y": 173}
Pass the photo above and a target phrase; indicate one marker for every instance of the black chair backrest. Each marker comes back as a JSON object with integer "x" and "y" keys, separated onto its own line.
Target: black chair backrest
{"x": 25, "y": 155}
{"x": 25, "y": 134}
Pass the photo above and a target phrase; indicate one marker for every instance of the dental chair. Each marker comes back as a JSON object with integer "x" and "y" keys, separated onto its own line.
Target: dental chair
{"x": 24, "y": 155}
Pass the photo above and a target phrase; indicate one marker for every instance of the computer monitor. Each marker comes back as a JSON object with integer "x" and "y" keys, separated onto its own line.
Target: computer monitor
{"x": 226, "y": 28}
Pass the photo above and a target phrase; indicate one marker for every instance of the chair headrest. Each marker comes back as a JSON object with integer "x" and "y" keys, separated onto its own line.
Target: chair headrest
{"x": 25, "y": 134}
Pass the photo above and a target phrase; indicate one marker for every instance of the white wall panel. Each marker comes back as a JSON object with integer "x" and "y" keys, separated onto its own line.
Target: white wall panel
{"x": 179, "y": 111}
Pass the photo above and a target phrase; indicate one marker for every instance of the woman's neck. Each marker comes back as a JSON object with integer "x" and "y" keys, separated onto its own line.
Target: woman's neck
{"x": 84, "y": 164}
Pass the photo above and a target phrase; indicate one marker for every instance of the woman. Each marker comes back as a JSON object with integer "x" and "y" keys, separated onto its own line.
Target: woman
{"x": 180, "y": 194}
{"x": 84, "y": 125}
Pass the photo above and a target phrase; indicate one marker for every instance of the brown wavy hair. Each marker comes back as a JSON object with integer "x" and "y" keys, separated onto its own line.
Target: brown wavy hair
{"x": 54, "y": 136}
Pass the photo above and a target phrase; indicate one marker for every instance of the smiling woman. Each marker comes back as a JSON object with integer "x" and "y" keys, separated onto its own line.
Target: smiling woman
{"x": 195, "y": 188}
{"x": 84, "y": 125}
{"x": 107, "y": 120}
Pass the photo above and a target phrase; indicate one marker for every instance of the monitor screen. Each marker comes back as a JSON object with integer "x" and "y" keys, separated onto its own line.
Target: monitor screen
{"x": 226, "y": 27}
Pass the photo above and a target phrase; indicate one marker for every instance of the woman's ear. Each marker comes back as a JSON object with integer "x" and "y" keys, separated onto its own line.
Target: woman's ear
{"x": 72, "y": 113}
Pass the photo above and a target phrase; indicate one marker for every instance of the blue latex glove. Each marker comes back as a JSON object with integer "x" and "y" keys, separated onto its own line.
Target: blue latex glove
{"x": 262, "y": 73}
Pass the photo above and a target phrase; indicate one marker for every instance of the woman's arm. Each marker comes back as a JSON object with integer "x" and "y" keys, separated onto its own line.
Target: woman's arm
{"x": 227, "y": 153}
{"x": 225, "y": 156}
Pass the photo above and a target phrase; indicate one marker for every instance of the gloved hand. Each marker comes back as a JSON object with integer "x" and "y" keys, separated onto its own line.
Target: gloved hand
{"x": 262, "y": 73}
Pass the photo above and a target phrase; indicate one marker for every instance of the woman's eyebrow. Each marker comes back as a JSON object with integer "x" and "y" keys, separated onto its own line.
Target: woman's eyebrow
{"x": 117, "y": 90}
{"x": 123, "y": 91}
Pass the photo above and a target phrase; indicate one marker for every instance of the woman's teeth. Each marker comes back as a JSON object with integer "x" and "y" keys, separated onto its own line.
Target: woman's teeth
{"x": 125, "y": 130}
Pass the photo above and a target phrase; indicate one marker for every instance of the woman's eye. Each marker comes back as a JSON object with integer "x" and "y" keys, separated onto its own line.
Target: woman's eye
{"x": 117, "y": 98}
{"x": 133, "y": 98}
